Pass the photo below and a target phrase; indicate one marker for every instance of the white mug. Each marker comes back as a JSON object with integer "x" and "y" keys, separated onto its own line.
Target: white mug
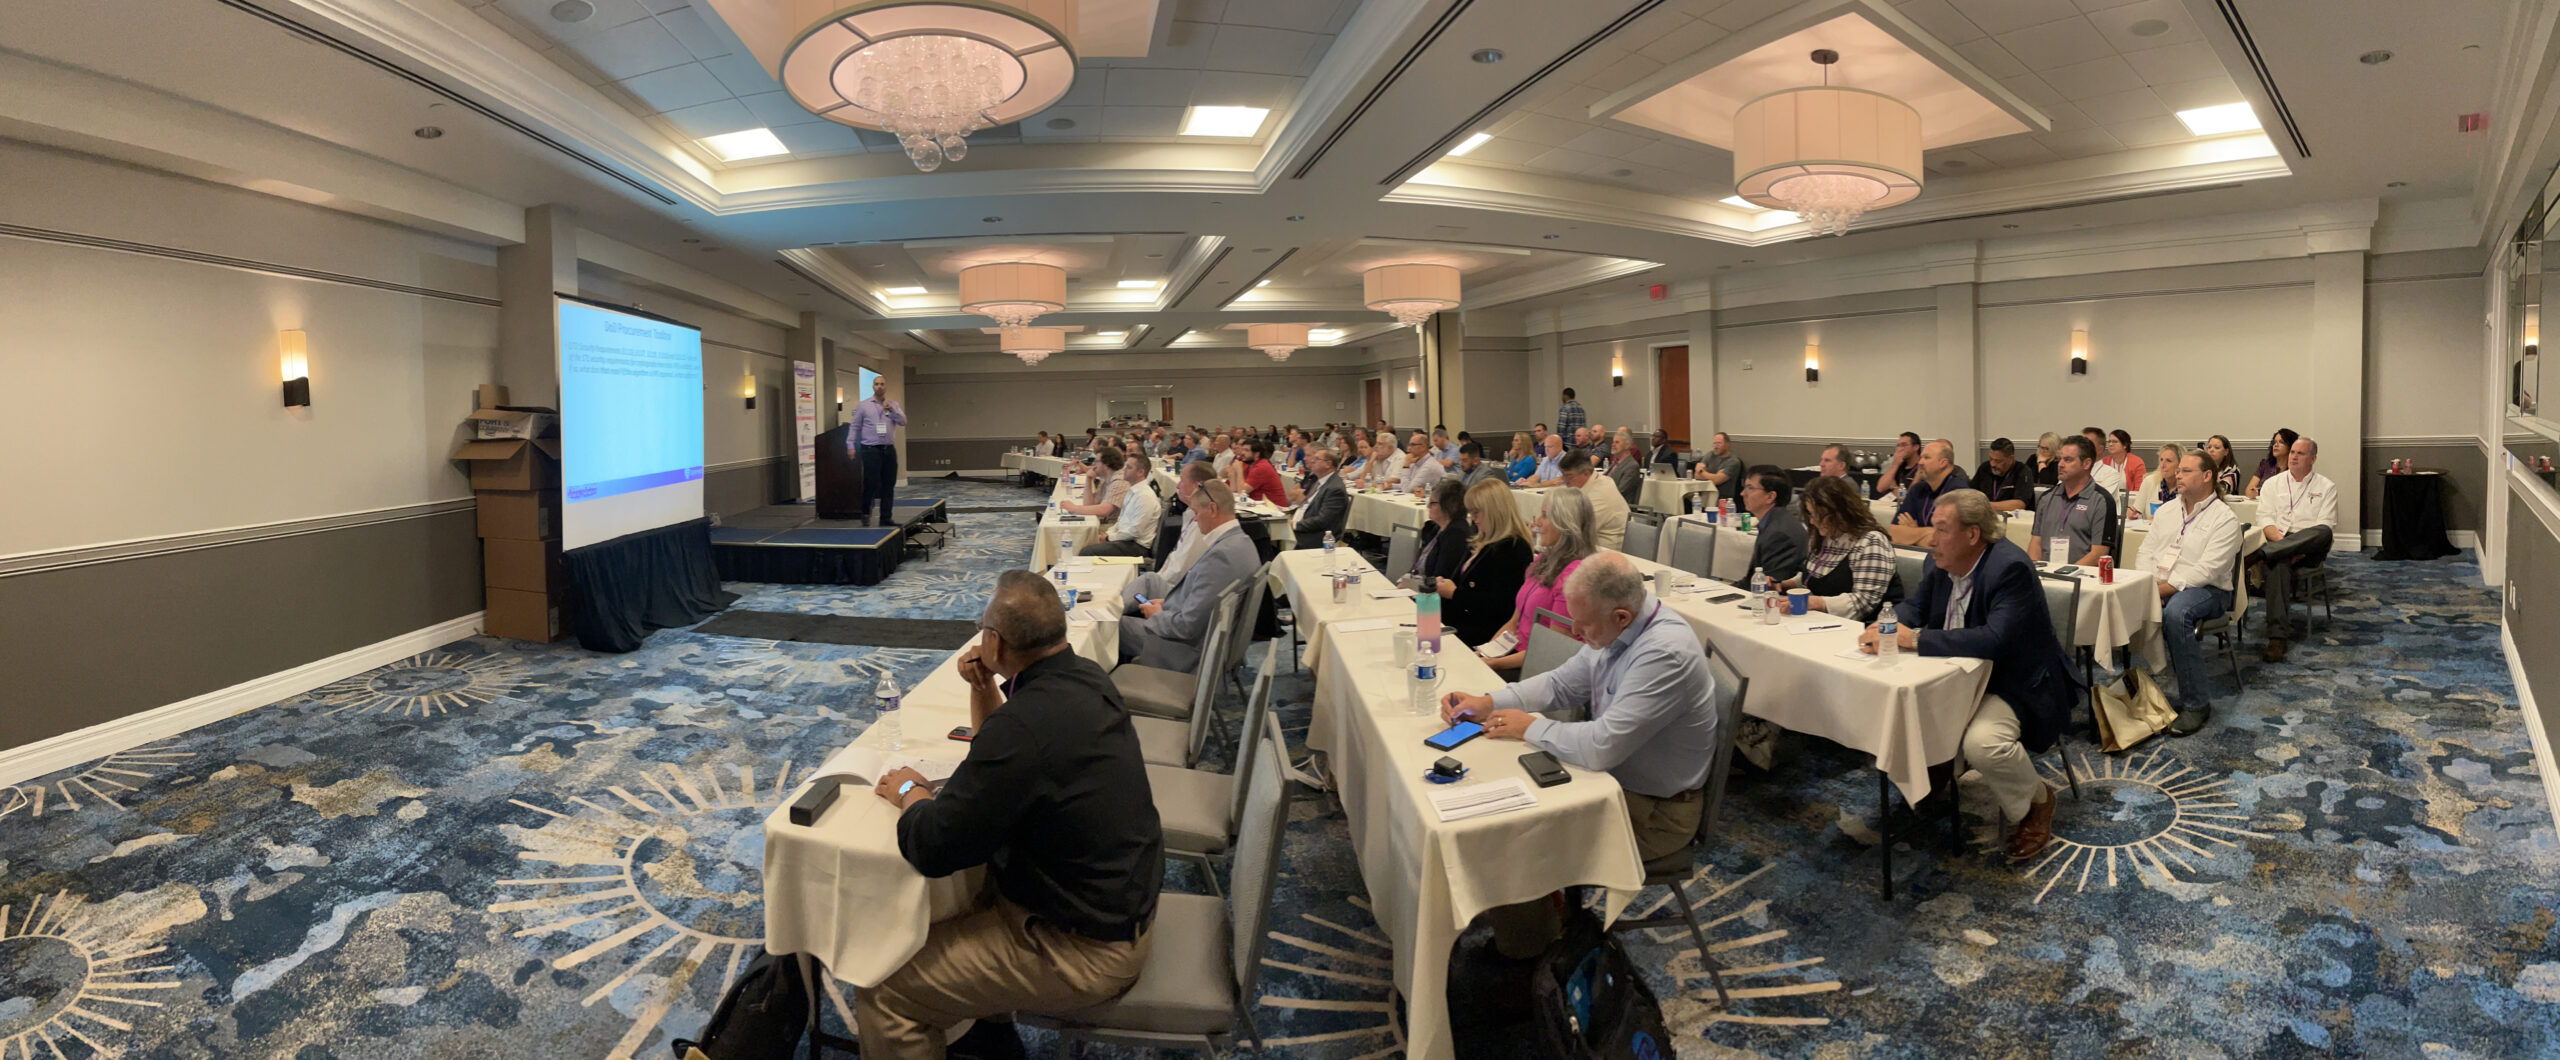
{"x": 1404, "y": 648}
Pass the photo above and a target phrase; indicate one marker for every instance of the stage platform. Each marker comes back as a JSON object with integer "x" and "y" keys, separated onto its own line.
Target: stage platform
{"x": 788, "y": 543}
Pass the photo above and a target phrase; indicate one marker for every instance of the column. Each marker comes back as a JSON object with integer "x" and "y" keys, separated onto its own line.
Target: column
{"x": 1444, "y": 372}
{"x": 1954, "y": 410}
{"x": 1546, "y": 378}
{"x": 803, "y": 343}
{"x": 529, "y": 274}
{"x": 2336, "y": 358}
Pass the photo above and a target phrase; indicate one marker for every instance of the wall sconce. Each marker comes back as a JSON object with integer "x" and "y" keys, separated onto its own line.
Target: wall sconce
{"x": 1617, "y": 370}
{"x": 1412, "y": 386}
{"x": 1813, "y": 362}
{"x": 296, "y": 359}
{"x": 839, "y": 399}
{"x": 2079, "y": 351}
{"x": 2532, "y": 330}
{"x": 748, "y": 387}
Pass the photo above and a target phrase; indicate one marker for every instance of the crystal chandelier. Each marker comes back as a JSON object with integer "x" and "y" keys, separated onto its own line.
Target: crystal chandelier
{"x": 1828, "y": 153}
{"x": 1277, "y": 340}
{"x": 1410, "y": 292}
{"x": 1032, "y": 345}
{"x": 1012, "y": 293}
{"x": 931, "y": 72}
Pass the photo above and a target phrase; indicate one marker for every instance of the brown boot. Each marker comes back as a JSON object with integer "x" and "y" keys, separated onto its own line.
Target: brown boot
{"x": 2034, "y": 832}
{"x": 2275, "y": 649}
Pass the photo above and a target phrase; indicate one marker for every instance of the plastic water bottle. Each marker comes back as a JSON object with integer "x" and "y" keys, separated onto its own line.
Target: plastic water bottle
{"x": 1422, "y": 684}
{"x": 884, "y": 700}
{"x": 1888, "y": 633}
{"x": 1331, "y": 561}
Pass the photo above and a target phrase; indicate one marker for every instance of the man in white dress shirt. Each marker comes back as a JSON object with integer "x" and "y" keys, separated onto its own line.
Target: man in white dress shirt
{"x": 1133, "y": 530}
{"x": 2300, "y": 511}
{"x": 1385, "y": 466}
{"x": 1159, "y": 583}
{"x": 1422, "y": 470}
{"x": 2192, "y": 553}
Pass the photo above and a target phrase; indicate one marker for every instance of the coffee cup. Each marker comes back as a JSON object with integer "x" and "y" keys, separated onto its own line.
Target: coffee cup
{"x": 1798, "y": 601}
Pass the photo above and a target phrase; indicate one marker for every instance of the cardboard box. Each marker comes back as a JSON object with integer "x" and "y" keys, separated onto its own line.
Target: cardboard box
{"x": 488, "y": 396}
{"x": 514, "y": 422}
{"x": 525, "y": 566}
{"x": 520, "y": 615}
{"x": 514, "y": 464}
{"x": 520, "y": 515}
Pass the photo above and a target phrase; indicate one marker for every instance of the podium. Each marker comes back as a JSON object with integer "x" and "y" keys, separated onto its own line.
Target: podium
{"x": 839, "y": 477}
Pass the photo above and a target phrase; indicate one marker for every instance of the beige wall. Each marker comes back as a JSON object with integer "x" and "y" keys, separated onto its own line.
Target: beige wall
{"x": 1497, "y": 391}
{"x": 2175, "y": 366}
{"x": 2422, "y": 358}
{"x": 1001, "y": 405}
{"x": 730, "y": 431}
{"x": 1869, "y": 366}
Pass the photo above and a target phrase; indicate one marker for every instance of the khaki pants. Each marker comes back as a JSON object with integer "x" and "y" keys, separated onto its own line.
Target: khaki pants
{"x": 1664, "y": 826}
{"x": 993, "y": 962}
{"x": 1991, "y": 746}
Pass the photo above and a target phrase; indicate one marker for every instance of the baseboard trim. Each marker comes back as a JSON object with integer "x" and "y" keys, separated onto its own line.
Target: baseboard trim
{"x": 2542, "y": 759}
{"x": 21, "y": 764}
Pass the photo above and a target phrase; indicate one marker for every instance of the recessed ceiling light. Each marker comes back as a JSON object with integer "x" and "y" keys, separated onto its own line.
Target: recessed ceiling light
{"x": 426, "y": 132}
{"x": 1137, "y": 285}
{"x": 1110, "y": 334}
{"x": 2217, "y": 120}
{"x": 2149, "y": 27}
{"x": 1740, "y": 203}
{"x": 902, "y": 290}
{"x": 1062, "y": 123}
{"x": 573, "y": 10}
{"x": 1224, "y": 121}
{"x": 1487, "y": 55}
{"x": 1471, "y": 144}
{"x": 1262, "y": 283}
{"x": 2376, "y": 57}
{"x": 744, "y": 144}
{"x": 1325, "y": 334}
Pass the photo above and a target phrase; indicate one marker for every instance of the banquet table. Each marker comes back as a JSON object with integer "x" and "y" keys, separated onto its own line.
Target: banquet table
{"x": 838, "y": 889}
{"x": 1044, "y": 466}
{"x": 1426, "y": 877}
{"x": 1666, "y": 494}
{"x": 1305, "y": 576}
{"x": 1060, "y": 534}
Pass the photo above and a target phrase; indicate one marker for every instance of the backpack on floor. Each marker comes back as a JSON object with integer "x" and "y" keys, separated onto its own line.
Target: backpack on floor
{"x": 764, "y": 1014}
{"x": 1587, "y": 1001}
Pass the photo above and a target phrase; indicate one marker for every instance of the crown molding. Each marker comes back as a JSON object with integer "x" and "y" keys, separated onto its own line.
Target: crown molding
{"x": 615, "y": 256}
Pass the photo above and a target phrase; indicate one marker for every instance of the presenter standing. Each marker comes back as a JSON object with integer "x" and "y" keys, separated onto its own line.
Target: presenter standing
{"x": 877, "y": 448}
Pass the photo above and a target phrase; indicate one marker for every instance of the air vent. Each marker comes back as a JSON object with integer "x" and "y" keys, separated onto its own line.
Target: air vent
{"x": 2266, "y": 81}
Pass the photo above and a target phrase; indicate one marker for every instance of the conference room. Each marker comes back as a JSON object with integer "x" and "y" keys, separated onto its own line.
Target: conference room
{"x": 1338, "y": 529}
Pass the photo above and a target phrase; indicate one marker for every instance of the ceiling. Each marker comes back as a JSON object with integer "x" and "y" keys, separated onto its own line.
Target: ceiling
{"x": 321, "y": 100}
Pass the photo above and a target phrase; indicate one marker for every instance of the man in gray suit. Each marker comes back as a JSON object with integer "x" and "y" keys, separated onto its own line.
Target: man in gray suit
{"x": 1327, "y": 503}
{"x": 1168, "y": 634}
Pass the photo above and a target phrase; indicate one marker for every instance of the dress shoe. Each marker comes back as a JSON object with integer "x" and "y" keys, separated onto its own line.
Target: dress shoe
{"x": 2190, "y": 720}
{"x": 2275, "y": 650}
{"x": 2034, "y": 832}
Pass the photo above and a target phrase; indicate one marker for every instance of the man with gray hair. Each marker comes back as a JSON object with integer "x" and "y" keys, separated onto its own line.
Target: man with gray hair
{"x": 1938, "y": 476}
{"x": 1979, "y": 598}
{"x": 1169, "y": 633}
{"x": 1053, "y": 802}
{"x": 1652, "y": 720}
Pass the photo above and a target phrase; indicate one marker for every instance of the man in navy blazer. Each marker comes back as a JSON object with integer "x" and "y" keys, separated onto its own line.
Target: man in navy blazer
{"x": 1979, "y": 597}
{"x": 1327, "y": 503}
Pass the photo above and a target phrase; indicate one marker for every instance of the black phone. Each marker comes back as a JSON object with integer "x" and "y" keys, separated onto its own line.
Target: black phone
{"x": 2066, "y": 570}
{"x": 1724, "y": 598}
{"x": 963, "y": 733}
{"x": 1544, "y": 769}
{"x": 1448, "y": 739}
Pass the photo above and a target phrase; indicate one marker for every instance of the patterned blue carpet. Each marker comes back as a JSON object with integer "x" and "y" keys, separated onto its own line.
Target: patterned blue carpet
{"x": 494, "y": 850}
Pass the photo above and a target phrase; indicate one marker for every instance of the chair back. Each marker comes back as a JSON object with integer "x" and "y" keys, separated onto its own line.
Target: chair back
{"x": 2240, "y": 575}
{"x": 2062, "y": 605}
{"x": 1402, "y": 543}
{"x": 1204, "y": 679}
{"x": 1255, "y": 869}
{"x": 1168, "y": 535}
{"x": 1248, "y": 614}
{"x": 1248, "y": 738}
{"x": 1549, "y": 646}
{"x": 1644, "y": 534}
{"x": 1731, "y": 687}
{"x": 1907, "y": 566}
{"x": 1693, "y": 547}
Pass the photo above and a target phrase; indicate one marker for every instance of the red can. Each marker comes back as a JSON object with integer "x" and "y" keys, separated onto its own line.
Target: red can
{"x": 2106, "y": 570}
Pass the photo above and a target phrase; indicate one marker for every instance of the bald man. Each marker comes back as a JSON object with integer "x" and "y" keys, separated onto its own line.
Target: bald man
{"x": 1938, "y": 474}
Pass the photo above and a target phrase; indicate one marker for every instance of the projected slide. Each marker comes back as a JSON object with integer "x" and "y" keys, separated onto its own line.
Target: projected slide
{"x": 630, "y": 423}
{"x": 863, "y": 377}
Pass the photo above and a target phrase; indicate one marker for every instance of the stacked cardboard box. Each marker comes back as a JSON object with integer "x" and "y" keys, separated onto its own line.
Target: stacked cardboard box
{"x": 515, "y": 473}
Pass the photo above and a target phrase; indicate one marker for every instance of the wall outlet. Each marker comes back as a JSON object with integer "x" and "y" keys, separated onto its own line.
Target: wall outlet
{"x": 1746, "y": 364}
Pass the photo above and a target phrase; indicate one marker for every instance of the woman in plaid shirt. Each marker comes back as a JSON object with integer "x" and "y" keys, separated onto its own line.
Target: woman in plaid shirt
{"x": 1850, "y": 573}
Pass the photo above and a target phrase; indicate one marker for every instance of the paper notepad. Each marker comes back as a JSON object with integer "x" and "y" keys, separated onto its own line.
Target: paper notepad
{"x": 1366, "y": 625}
{"x": 1801, "y": 628}
{"x": 1390, "y": 592}
{"x": 864, "y": 765}
{"x": 1462, "y": 801}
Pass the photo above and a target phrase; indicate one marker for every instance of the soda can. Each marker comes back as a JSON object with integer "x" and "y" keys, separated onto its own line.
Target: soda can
{"x": 2106, "y": 570}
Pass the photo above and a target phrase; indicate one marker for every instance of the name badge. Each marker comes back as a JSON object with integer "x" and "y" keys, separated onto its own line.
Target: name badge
{"x": 881, "y": 427}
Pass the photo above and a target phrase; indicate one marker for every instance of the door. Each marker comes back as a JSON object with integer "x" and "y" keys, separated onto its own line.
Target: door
{"x": 1168, "y": 410}
{"x": 1671, "y": 374}
{"x": 1374, "y": 399}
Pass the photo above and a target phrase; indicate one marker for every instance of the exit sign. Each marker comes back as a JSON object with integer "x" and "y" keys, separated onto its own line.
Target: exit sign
{"x": 1655, "y": 292}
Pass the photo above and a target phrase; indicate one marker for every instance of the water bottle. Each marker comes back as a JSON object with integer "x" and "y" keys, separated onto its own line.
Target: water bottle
{"x": 1888, "y": 633}
{"x": 1422, "y": 683}
{"x": 1331, "y": 562}
{"x": 1426, "y": 619}
{"x": 884, "y": 700}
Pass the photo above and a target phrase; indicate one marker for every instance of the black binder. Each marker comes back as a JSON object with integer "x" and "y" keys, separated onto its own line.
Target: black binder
{"x": 839, "y": 477}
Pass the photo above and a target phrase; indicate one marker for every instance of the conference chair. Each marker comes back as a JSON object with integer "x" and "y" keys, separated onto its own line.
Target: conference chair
{"x": 1549, "y": 645}
{"x": 2307, "y": 579}
{"x": 2226, "y": 627}
{"x": 1168, "y": 535}
{"x": 1907, "y": 565}
{"x": 1248, "y": 616}
{"x": 1693, "y": 547}
{"x": 1672, "y": 870}
{"x": 1178, "y": 741}
{"x": 1161, "y": 693}
{"x": 1201, "y": 810}
{"x": 1402, "y": 543}
{"x": 1204, "y": 968}
{"x": 1644, "y": 534}
{"x": 2062, "y": 605}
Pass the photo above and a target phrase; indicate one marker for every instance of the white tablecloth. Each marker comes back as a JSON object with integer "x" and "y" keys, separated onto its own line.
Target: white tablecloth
{"x": 1310, "y": 587}
{"x": 1909, "y": 712}
{"x": 1665, "y": 494}
{"x": 1059, "y": 537}
{"x": 1428, "y": 878}
{"x": 839, "y": 890}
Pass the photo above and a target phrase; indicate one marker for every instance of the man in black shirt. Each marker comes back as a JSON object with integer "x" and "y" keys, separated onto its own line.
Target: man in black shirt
{"x": 2004, "y": 479}
{"x": 1053, "y": 799}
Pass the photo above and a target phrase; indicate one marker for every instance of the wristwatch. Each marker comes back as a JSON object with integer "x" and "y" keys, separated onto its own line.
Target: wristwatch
{"x": 903, "y": 789}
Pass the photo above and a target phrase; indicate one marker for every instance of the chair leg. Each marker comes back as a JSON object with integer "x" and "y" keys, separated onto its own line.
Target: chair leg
{"x": 1884, "y": 829}
{"x": 1698, "y": 934}
{"x": 2069, "y": 773}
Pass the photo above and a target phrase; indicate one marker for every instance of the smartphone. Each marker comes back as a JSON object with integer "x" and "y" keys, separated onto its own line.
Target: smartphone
{"x": 1448, "y": 739}
{"x": 2066, "y": 570}
{"x": 963, "y": 733}
{"x": 1723, "y": 597}
{"x": 1544, "y": 769}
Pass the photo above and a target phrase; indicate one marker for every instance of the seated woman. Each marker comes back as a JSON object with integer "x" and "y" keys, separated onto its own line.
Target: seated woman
{"x": 1523, "y": 460}
{"x": 2164, "y": 475}
{"x": 1445, "y": 530}
{"x": 2279, "y": 450}
{"x": 1564, "y": 540}
{"x": 2120, "y": 456}
{"x": 1850, "y": 570}
{"x": 1479, "y": 598}
{"x": 2048, "y": 452}
{"x": 2218, "y": 459}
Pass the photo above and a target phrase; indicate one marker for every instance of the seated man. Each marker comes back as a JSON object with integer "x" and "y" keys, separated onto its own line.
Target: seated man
{"x": 1053, "y": 801}
{"x": 2300, "y": 510}
{"x": 1222, "y": 452}
{"x": 1901, "y": 467}
{"x": 1719, "y": 465}
{"x": 1979, "y": 598}
{"x": 2108, "y": 476}
{"x": 1133, "y": 530}
{"x": 1155, "y": 584}
{"x": 1421, "y": 469}
{"x": 1937, "y": 475}
{"x": 1196, "y": 451}
{"x": 1261, "y": 480}
{"x": 1105, "y": 489}
{"x": 1663, "y": 451}
{"x": 1326, "y": 505}
{"x": 1442, "y": 449}
{"x": 1626, "y": 468}
{"x": 1550, "y": 470}
{"x": 1471, "y": 467}
{"x": 1779, "y": 550}
{"x": 1653, "y": 721}
{"x": 1044, "y": 447}
{"x": 2075, "y": 510}
{"x": 1608, "y": 510}
{"x": 1170, "y": 633}
{"x": 1385, "y": 466}
{"x": 1834, "y": 462}
{"x": 2191, "y": 551}
{"x": 2004, "y": 478}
